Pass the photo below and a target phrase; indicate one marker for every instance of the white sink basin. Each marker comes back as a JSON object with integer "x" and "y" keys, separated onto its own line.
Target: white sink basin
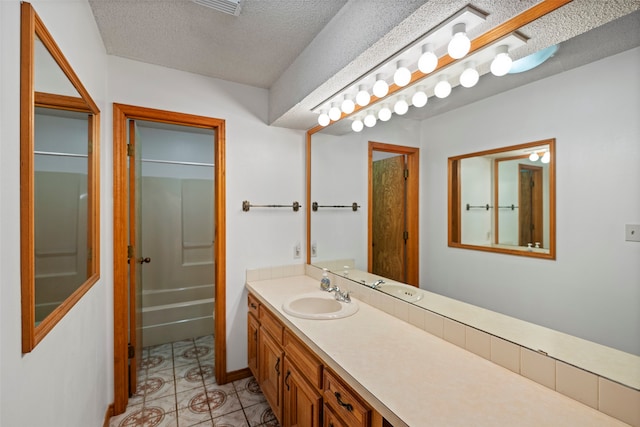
{"x": 319, "y": 305}
{"x": 404, "y": 292}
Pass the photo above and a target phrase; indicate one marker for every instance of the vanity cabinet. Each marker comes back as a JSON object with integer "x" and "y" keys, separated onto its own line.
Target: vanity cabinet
{"x": 302, "y": 402}
{"x": 271, "y": 360}
{"x": 302, "y": 392}
{"x": 253, "y": 328}
{"x": 345, "y": 407}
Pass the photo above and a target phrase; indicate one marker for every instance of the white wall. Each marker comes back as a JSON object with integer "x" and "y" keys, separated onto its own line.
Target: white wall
{"x": 339, "y": 177}
{"x": 67, "y": 379}
{"x": 265, "y": 165}
{"x": 591, "y": 290}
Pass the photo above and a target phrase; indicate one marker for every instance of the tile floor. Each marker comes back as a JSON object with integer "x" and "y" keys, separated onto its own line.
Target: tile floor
{"x": 177, "y": 388}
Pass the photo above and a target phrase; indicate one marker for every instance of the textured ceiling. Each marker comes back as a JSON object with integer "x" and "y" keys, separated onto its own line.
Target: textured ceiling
{"x": 305, "y": 51}
{"x": 253, "y": 48}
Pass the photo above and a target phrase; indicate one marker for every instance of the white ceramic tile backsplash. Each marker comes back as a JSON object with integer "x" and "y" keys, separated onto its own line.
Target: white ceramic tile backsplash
{"x": 454, "y": 332}
{"x": 577, "y": 384}
{"x": 478, "y": 342}
{"x": 434, "y": 324}
{"x": 538, "y": 367}
{"x": 619, "y": 401}
{"x": 505, "y": 354}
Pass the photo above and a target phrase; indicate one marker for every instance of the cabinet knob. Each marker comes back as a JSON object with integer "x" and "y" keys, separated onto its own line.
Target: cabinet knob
{"x": 286, "y": 380}
{"x": 347, "y": 406}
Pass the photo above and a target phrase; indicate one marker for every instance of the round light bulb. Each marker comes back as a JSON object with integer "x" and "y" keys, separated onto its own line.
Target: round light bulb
{"x": 348, "y": 106}
{"x": 335, "y": 113}
{"x": 470, "y": 76}
{"x": 323, "y": 119}
{"x": 534, "y": 157}
{"x": 380, "y": 87}
{"x": 370, "y": 120}
{"x": 419, "y": 99}
{"x": 402, "y": 76}
{"x": 546, "y": 157}
{"x": 384, "y": 114}
{"x": 357, "y": 125}
{"x": 363, "y": 98}
{"x": 401, "y": 107}
{"x": 501, "y": 64}
{"x": 428, "y": 60}
{"x": 460, "y": 44}
{"x": 443, "y": 88}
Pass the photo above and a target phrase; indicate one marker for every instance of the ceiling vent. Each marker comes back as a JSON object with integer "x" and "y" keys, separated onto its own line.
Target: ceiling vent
{"x": 232, "y": 7}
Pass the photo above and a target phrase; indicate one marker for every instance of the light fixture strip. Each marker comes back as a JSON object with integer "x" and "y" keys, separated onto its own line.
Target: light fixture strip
{"x": 485, "y": 40}
{"x": 481, "y": 58}
{"x": 439, "y": 37}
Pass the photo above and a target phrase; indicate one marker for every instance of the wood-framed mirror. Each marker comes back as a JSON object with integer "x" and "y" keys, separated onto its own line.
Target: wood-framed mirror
{"x": 503, "y": 200}
{"x": 59, "y": 183}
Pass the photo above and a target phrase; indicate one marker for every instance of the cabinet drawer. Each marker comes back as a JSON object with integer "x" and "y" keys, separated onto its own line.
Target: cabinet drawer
{"x": 271, "y": 324}
{"x": 253, "y": 305}
{"x": 344, "y": 402}
{"x": 308, "y": 364}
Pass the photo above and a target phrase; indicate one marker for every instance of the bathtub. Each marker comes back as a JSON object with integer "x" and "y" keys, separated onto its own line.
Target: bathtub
{"x": 177, "y": 314}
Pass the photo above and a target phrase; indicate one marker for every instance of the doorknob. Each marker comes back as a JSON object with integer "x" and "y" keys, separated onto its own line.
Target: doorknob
{"x": 144, "y": 260}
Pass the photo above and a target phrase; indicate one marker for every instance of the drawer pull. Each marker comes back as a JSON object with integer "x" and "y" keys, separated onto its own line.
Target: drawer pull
{"x": 253, "y": 305}
{"x": 347, "y": 406}
{"x": 286, "y": 379}
{"x": 278, "y": 366}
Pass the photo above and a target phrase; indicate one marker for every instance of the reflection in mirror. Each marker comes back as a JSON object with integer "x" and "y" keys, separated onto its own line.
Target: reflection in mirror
{"x": 60, "y": 201}
{"x": 59, "y": 146}
{"x": 335, "y": 164}
{"x": 48, "y": 76}
{"x": 503, "y": 200}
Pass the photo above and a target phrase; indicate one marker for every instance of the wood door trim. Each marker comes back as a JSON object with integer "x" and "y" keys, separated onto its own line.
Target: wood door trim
{"x": 413, "y": 184}
{"x": 121, "y": 113}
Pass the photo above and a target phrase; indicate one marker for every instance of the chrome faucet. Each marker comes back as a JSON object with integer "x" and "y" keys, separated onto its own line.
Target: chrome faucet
{"x": 342, "y": 296}
{"x": 377, "y": 283}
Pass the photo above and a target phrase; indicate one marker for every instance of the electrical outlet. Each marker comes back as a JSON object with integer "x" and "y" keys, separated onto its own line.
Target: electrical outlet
{"x": 297, "y": 250}
{"x": 632, "y": 232}
{"x": 314, "y": 249}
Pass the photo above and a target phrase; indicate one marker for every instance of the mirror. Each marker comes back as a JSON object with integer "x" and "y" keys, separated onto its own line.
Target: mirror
{"x": 561, "y": 296}
{"x": 503, "y": 200}
{"x": 59, "y": 188}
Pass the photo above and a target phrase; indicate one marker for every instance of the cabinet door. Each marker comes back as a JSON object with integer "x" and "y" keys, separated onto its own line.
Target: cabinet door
{"x": 253, "y": 326}
{"x": 302, "y": 403}
{"x": 331, "y": 419}
{"x": 270, "y": 361}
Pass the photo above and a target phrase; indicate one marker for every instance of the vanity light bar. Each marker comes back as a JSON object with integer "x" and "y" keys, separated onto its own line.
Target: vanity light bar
{"x": 439, "y": 38}
{"x": 480, "y": 59}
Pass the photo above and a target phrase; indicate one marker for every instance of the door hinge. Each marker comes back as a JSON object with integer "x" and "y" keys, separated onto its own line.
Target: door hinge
{"x": 90, "y": 147}
{"x": 131, "y": 150}
{"x": 129, "y": 251}
{"x": 406, "y": 173}
{"x": 405, "y": 235}
{"x": 131, "y": 351}
{"x": 90, "y": 254}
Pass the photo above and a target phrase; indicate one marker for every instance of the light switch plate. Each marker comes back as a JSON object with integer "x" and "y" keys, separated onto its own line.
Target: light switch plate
{"x": 632, "y": 232}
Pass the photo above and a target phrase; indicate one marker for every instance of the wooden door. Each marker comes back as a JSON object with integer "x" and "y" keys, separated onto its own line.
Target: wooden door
{"x": 302, "y": 403}
{"x": 530, "y": 205}
{"x": 270, "y": 361}
{"x": 253, "y": 328}
{"x": 389, "y": 218}
{"x": 134, "y": 258}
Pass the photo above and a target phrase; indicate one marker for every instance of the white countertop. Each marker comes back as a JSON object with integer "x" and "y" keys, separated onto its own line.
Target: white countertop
{"x": 417, "y": 379}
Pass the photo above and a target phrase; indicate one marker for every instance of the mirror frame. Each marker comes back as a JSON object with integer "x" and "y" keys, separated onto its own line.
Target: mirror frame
{"x": 455, "y": 203}
{"x": 32, "y": 26}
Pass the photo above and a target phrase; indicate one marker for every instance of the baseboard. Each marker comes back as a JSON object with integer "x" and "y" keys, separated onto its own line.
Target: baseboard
{"x": 240, "y": 374}
{"x": 107, "y": 415}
